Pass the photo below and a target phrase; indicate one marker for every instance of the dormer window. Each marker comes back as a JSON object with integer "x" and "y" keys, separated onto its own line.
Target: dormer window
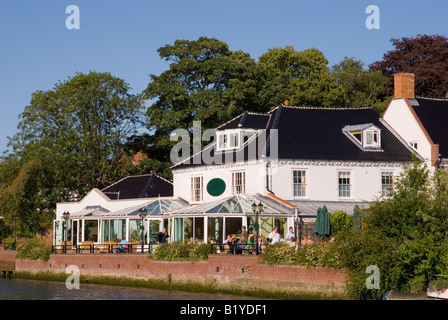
{"x": 367, "y": 136}
{"x": 372, "y": 138}
{"x": 233, "y": 139}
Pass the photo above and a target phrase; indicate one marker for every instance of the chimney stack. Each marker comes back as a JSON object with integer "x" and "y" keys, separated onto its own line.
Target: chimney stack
{"x": 404, "y": 85}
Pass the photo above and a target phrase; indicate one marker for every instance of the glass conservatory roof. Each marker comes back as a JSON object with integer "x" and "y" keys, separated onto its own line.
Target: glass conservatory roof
{"x": 241, "y": 204}
{"x": 154, "y": 207}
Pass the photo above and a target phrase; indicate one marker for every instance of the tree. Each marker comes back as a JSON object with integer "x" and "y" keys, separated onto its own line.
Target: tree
{"x": 424, "y": 55}
{"x": 362, "y": 88}
{"x": 302, "y": 77}
{"x": 80, "y": 128}
{"x": 70, "y": 140}
{"x": 402, "y": 236}
{"x": 206, "y": 82}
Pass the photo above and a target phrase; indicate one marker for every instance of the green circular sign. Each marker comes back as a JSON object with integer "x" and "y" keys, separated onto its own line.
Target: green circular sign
{"x": 216, "y": 187}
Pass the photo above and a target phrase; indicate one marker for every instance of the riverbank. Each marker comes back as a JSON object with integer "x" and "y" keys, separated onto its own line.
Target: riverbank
{"x": 230, "y": 274}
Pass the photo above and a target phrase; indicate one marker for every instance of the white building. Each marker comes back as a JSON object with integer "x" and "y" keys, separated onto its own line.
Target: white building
{"x": 420, "y": 121}
{"x": 293, "y": 160}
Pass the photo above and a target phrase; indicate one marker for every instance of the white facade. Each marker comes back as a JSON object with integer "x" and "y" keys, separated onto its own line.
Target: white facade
{"x": 400, "y": 117}
{"x": 320, "y": 182}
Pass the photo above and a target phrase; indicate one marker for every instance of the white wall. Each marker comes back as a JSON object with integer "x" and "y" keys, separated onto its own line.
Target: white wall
{"x": 402, "y": 120}
{"x": 255, "y": 179}
{"x": 322, "y": 179}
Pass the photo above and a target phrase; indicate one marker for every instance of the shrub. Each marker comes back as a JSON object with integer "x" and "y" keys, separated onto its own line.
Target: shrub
{"x": 181, "y": 251}
{"x": 36, "y": 249}
{"x": 310, "y": 255}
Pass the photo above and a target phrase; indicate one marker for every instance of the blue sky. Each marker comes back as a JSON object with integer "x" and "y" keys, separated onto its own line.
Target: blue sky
{"x": 122, "y": 37}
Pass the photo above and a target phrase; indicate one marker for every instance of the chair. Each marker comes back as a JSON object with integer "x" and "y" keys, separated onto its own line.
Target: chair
{"x": 87, "y": 246}
{"x": 108, "y": 246}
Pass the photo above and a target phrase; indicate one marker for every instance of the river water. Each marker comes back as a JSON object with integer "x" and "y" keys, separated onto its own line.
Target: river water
{"x": 20, "y": 289}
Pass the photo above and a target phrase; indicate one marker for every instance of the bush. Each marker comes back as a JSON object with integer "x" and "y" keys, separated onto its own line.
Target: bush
{"x": 181, "y": 251}
{"x": 34, "y": 250}
{"x": 310, "y": 255}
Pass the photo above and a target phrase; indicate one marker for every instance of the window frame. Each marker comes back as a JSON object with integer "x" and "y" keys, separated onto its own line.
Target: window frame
{"x": 242, "y": 179}
{"x": 383, "y": 185}
{"x": 304, "y": 186}
{"x": 196, "y": 193}
{"x": 350, "y": 184}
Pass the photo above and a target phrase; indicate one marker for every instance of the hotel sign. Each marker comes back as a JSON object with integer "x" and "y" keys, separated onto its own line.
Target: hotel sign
{"x": 216, "y": 187}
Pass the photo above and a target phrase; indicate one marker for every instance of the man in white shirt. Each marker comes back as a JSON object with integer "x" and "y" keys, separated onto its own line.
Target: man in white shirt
{"x": 274, "y": 235}
{"x": 290, "y": 234}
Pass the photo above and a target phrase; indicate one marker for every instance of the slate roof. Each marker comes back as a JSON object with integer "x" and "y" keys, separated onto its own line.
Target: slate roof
{"x": 312, "y": 133}
{"x": 433, "y": 114}
{"x": 141, "y": 186}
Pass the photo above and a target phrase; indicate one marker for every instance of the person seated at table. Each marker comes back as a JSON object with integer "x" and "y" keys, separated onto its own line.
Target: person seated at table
{"x": 241, "y": 244}
{"x": 261, "y": 244}
{"x": 123, "y": 246}
{"x": 228, "y": 243}
{"x": 250, "y": 246}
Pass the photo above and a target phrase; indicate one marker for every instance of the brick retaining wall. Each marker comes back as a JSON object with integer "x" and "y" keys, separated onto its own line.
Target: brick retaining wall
{"x": 242, "y": 271}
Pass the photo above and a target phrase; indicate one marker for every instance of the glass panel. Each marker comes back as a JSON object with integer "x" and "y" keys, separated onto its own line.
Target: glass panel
{"x": 233, "y": 225}
{"x": 369, "y": 138}
{"x": 113, "y": 231}
{"x": 91, "y": 230}
{"x": 215, "y": 228}
{"x": 280, "y": 223}
{"x": 265, "y": 226}
{"x": 105, "y": 231}
{"x": 58, "y": 232}
{"x": 80, "y": 232}
{"x": 188, "y": 229}
{"x": 386, "y": 183}
{"x": 154, "y": 228}
{"x": 199, "y": 229}
{"x": 178, "y": 232}
{"x": 299, "y": 177}
{"x": 135, "y": 233}
{"x": 344, "y": 184}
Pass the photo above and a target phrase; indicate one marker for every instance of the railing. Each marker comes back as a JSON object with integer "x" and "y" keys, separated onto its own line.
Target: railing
{"x": 234, "y": 248}
{"x": 102, "y": 248}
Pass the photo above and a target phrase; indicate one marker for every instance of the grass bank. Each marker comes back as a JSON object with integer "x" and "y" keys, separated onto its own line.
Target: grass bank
{"x": 188, "y": 286}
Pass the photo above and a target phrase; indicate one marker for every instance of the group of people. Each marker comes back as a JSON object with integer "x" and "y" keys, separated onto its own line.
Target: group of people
{"x": 246, "y": 243}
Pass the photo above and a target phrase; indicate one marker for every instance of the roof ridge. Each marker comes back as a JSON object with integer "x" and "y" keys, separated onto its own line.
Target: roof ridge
{"x": 328, "y": 108}
{"x": 234, "y": 118}
{"x": 432, "y": 98}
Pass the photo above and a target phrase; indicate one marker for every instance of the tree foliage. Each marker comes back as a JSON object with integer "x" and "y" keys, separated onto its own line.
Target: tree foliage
{"x": 424, "y": 55}
{"x": 362, "y": 88}
{"x": 302, "y": 77}
{"x": 206, "y": 81}
{"x": 402, "y": 235}
{"x": 70, "y": 140}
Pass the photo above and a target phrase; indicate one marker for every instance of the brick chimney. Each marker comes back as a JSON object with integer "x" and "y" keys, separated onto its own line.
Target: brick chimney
{"x": 434, "y": 154}
{"x": 404, "y": 85}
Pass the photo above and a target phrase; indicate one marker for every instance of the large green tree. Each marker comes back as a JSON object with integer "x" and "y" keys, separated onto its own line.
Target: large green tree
{"x": 70, "y": 140}
{"x": 362, "y": 88}
{"x": 424, "y": 55}
{"x": 302, "y": 77}
{"x": 206, "y": 82}
{"x": 404, "y": 235}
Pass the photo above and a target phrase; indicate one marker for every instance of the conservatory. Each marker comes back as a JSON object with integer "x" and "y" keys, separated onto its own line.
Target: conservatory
{"x": 99, "y": 225}
{"x": 216, "y": 220}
